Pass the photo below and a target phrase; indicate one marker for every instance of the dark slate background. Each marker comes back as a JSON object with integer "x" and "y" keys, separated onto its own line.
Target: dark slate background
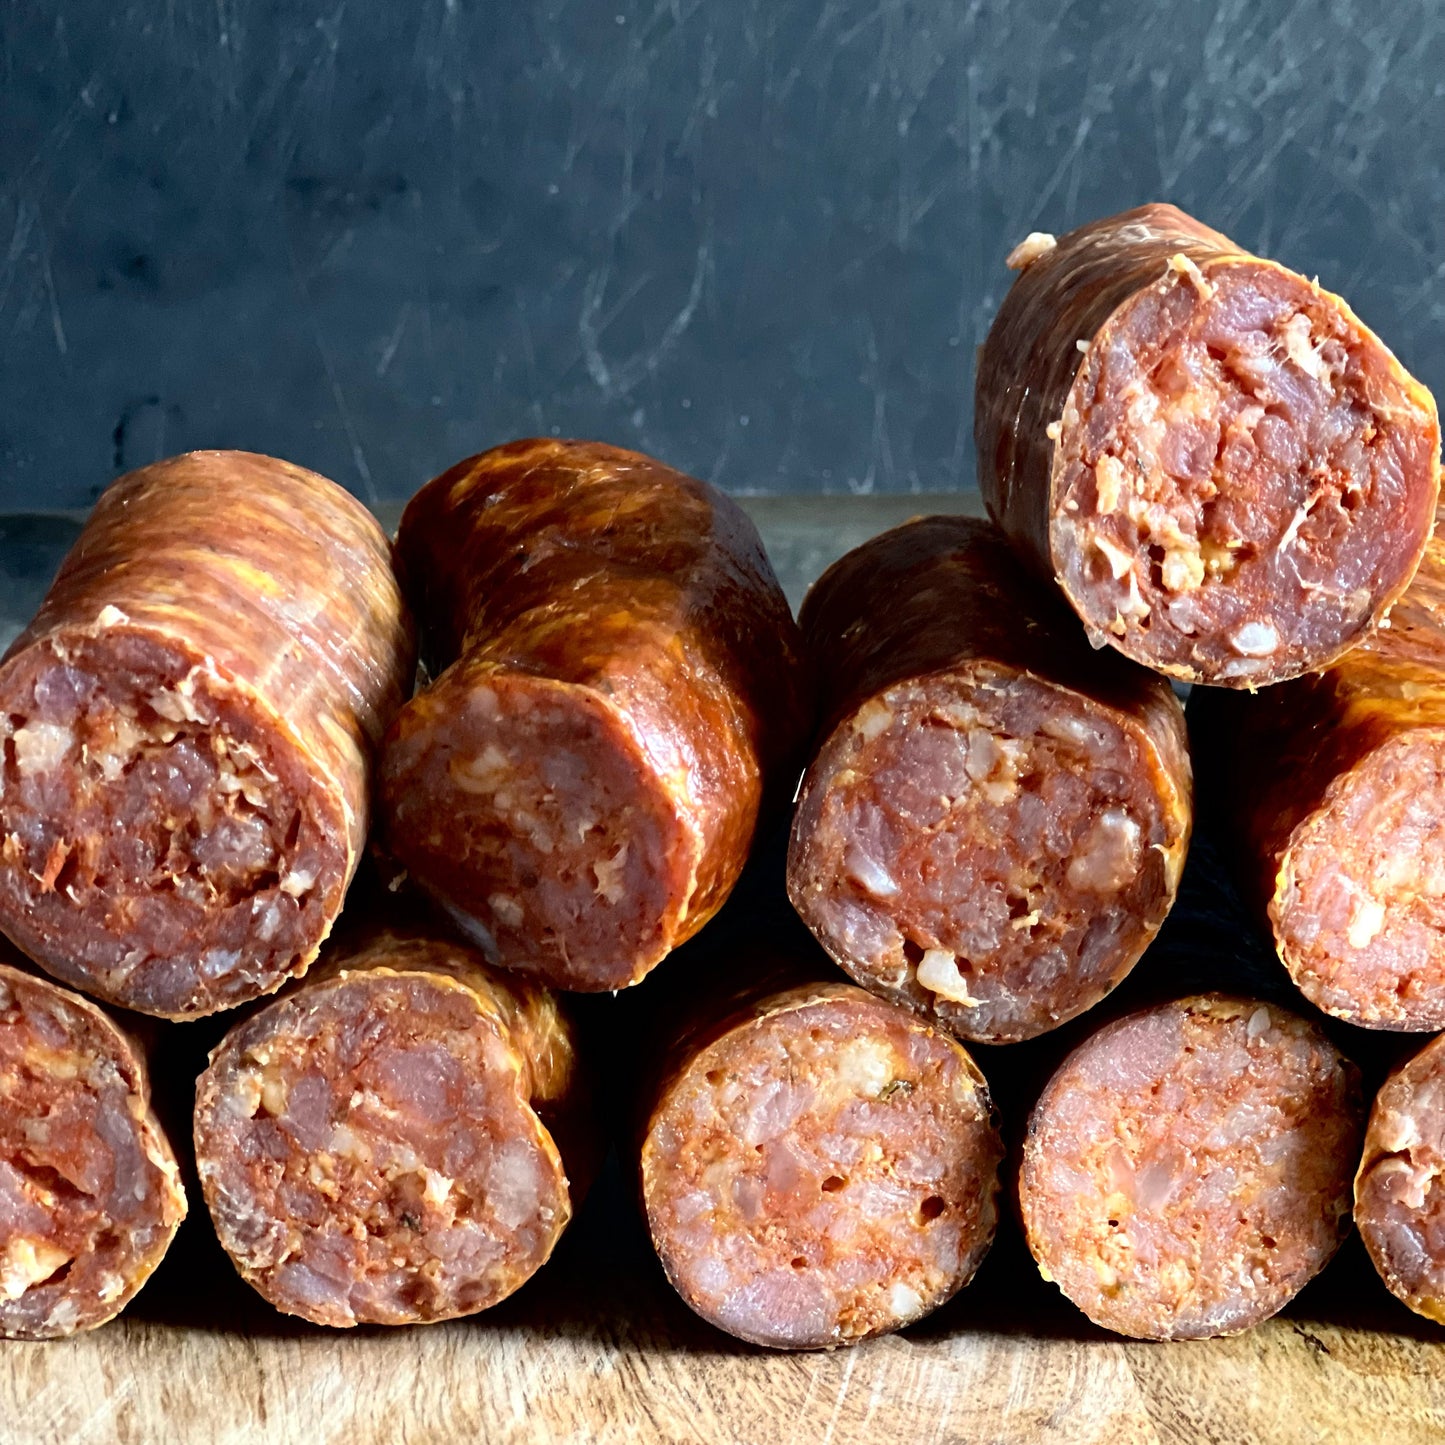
{"x": 759, "y": 238}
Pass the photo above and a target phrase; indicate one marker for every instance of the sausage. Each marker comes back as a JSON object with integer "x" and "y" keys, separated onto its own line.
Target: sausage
{"x": 818, "y": 1166}
{"x": 1334, "y": 785}
{"x": 187, "y": 730}
{"x": 1399, "y": 1206}
{"x": 1230, "y": 476}
{"x": 1186, "y": 1171}
{"x": 620, "y": 682}
{"x": 382, "y": 1144}
{"x": 90, "y": 1195}
{"x": 995, "y": 824}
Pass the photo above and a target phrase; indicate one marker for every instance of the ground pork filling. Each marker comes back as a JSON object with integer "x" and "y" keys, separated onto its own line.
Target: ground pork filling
{"x": 988, "y": 848}
{"x": 528, "y": 809}
{"x": 85, "y": 1212}
{"x": 1187, "y": 1170}
{"x": 368, "y": 1156}
{"x": 822, "y": 1174}
{"x": 161, "y": 842}
{"x": 1232, "y": 493}
{"x": 1359, "y": 908}
{"x": 1400, "y": 1193}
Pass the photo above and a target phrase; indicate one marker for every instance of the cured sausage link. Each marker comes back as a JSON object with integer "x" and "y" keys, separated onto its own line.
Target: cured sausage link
{"x": 619, "y": 685}
{"x": 377, "y": 1146}
{"x": 1230, "y": 476}
{"x": 90, "y": 1197}
{"x": 819, "y": 1167}
{"x": 187, "y": 730}
{"x": 1335, "y": 785}
{"x": 1399, "y": 1199}
{"x": 995, "y": 823}
{"x": 1186, "y": 1171}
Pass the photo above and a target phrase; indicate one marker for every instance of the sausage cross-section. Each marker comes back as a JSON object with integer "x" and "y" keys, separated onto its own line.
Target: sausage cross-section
{"x": 1400, "y": 1189}
{"x": 187, "y": 730}
{"x": 90, "y": 1197}
{"x": 1187, "y": 1169}
{"x": 1334, "y": 785}
{"x": 619, "y": 683}
{"x": 381, "y": 1144}
{"x": 1230, "y": 476}
{"x": 995, "y": 824}
{"x": 819, "y": 1166}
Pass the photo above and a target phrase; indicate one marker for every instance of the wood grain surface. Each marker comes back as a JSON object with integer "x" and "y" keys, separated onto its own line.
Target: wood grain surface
{"x": 597, "y": 1348}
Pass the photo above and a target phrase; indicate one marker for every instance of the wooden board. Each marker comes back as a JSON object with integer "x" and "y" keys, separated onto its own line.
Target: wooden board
{"x": 598, "y": 1349}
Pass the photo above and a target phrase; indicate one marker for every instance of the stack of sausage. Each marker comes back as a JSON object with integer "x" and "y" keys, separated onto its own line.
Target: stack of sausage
{"x": 1201, "y": 469}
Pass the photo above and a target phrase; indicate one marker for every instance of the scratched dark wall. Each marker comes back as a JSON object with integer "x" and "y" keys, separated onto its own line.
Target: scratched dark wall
{"x": 759, "y": 238}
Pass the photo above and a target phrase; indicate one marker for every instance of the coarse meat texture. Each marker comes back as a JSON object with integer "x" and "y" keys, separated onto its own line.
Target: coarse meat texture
{"x": 188, "y": 727}
{"x": 1234, "y": 481}
{"x": 823, "y": 1171}
{"x": 1186, "y": 1170}
{"x": 90, "y": 1196}
{"x": 996, "y": 824}
{"x": 619, "y": 687}
{"x": 372, "y": 1147}
{"x": 1400, "y": 1189}
{"x": 1335, "y": 786}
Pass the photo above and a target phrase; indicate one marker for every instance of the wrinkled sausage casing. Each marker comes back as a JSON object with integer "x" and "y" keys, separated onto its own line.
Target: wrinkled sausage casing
{"x": 381, "y": 1144}
{"x": 1335, "y": 786}
{"x": 1230, "y": 476}
{"x": 188, "y": 725}
{"x": 90, "y": 1197}
{"x": 1399, "y": 1201}
{"x": 820, "y": 1166}
{"x": 995, "y": 824}
{"x": 622, "y": 681}
{"x": 1187, "y": 1169}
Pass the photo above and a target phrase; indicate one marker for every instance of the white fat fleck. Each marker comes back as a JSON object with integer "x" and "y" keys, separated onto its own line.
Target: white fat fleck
{"x": 868, "y": 873}
{"x": 1029, "y": 250}
{"x": 1258, "y": 1023}
{"x": 1182, "y": 569}
{"x": 41, "y": 746}
{"x": 608, "y": 872}
{"x": 274, "y": 1094}
{"x": 872, "y": 719}
{"x": 1108, "y": 482}
{"x": 1081, "y": 345}
{"x": 435, "y": 1187}
{"x": 110, "y": 616}
{"x": 864, "y": 1066}
{"x": 1299, "y": 347}
{"x": 1109, "y": 857}
{"x": 178, "y": 704}
{"x": 506, "y": 908}
{"x": 216, "y": 962}
{"x": 1367, "y": 921}
{"x": 298, "y": 881}
{"x": 26, "y": 1262}
{"x": 1120, "y": 562}
{"x": 1255, "y": 639}
{"x": 938, "y": 972}
{"x": 1054, "y": 430}
{"x": 1184, "y": 266}
{"x": 904, "y": 1303}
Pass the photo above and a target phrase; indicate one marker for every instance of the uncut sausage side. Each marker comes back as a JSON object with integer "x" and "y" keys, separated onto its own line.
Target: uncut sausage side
{"x": 1399, "y": 1204}
{"x": 818, "y": 1166}
{"x": 90, "y": 1196}
{"x": 188, "y": 726}
{"x": 620, "y": 682}
{"x": 1186, "y": 1171}
{"x": 995, "y": 823}
{"x": 1334, "y": 785}
{"x": 1230, "y": 476}
{"x": 383, "y": 1144}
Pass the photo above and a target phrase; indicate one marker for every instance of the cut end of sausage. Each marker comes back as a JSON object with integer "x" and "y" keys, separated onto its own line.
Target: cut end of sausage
{"x": 1400, "y": 1189}
{"x": 89, "y": 1193}
{"x": 528, "y": 810}
{"x": 1186, "y": 1171}
{"x": 368, "y": 1154}
{"x": 822, "y": 1173}
{"x": 992, "y": 850}
{"x": 1244, "y": 477}
{"x": 1359, "y": 907}
{"x": 163, "y": 843}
